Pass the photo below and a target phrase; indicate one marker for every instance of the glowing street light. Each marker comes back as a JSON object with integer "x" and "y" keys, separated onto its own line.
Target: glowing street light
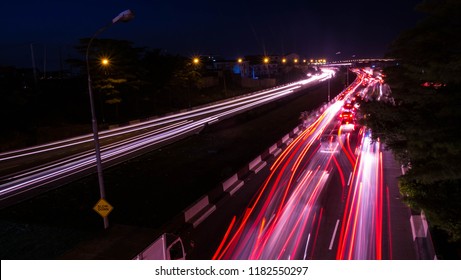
{"x": 266, "y": 60}
{"x": 196, "y": 60}
{"x": 122, "y": 17}
{"x": 239, "y": 60}
{"x": 105, "y": 62}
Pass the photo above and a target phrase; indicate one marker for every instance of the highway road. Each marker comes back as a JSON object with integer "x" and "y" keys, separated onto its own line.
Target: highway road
{"x": 361, "y": 232}
{"x": 27, "y": 171}
{"x": 282, "y": 221}
{"x": 283, "y": 217}
{"x": 319, "y": 199}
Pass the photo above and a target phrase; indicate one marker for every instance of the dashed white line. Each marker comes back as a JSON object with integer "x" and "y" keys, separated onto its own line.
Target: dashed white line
{"x": 334, "y": 234}
{"x": 349, "y": 181}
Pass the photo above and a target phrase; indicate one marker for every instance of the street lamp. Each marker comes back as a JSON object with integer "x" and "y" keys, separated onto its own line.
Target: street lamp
{"x": 105, "y": 62}
{"x": 122, "y": 17}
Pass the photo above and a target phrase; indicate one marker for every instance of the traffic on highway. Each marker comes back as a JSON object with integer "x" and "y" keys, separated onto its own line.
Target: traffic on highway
{"x": 323, "y": 197}
{"x": 293, "y": 215}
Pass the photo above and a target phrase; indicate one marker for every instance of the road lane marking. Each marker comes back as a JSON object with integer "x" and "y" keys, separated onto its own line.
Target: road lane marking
{"x": 334, "y": 234}
{"x": 349, "y": 181}
{"x": 307, "y": 245}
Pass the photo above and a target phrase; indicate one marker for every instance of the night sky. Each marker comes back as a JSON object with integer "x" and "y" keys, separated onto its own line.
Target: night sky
{"x": 313, "y": 29}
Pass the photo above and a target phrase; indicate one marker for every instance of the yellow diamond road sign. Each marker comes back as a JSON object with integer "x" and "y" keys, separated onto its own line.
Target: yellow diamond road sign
{"x": 103, "y": 208}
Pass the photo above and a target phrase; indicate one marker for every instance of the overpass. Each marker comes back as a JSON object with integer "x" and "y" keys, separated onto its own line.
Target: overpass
{"x": 364, "y": 62}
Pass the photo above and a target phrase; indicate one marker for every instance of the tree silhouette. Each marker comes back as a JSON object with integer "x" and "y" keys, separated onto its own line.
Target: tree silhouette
{"x": 421, "y": 125}
{"x": 121, "y": 76}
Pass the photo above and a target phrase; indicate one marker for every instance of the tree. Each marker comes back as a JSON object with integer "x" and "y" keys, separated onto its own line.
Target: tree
{"x": 159, "y": 71}
{"x": 110, "y": 89}
{"x": 421, "y": 125}
{"x": 187, "y": 79}
{"x": 119, "y": 76}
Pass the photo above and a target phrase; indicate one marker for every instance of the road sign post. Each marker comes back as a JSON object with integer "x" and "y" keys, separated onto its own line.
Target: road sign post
{"x": 103, "y": 208}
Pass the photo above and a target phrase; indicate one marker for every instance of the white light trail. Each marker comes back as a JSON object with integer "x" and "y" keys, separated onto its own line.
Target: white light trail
{"x": 129, "y": 140}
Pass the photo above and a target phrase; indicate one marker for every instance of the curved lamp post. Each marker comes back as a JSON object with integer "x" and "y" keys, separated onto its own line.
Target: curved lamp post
{"x": 122, "y": 17}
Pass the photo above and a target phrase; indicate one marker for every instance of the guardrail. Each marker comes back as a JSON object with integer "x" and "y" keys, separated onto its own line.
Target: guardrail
{"x": 422, "y": 237}
{"x": 420, "y": 230}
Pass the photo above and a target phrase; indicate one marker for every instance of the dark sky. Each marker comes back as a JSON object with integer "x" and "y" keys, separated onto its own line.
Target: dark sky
{"x": 311, "y": 28}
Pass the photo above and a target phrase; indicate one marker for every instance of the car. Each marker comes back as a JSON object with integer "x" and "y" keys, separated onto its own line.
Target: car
{"x": 329, "y": 143}
{"x": 346, "y": 115}
{"x": 347, "y": 123}
{"x": 348, "y": 107}
{"x": 347, "y": 120}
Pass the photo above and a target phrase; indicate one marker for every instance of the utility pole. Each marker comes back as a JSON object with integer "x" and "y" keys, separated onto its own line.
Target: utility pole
{"x": 44, "y": 61}
{"x": 33, "y": 63}
{"x": 347, "y": 73}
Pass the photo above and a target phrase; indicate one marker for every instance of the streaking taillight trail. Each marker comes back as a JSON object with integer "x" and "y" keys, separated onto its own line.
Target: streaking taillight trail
{"x": 362, "y": 229}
